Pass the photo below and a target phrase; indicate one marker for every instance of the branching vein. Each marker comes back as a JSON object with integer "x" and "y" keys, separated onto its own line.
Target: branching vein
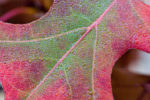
{"x": 41, "y": 39}
{"x": 69, "y": 51}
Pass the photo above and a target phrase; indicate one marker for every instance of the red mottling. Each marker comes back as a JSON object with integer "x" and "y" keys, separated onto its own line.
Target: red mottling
{"x": 103, "y": 84}
{"x": 119, "y": 47}
{"x": 9, "y": 31}
{"x": 26, "y": 79}
{"x": 21, "y": 76}
{"x": 61, "y": 73}
{"x": 142, "y": 41}
{"x": 119, "y": 44}
{"x": 143, "y": 10}
{"x": 80, "y": 85}
{"x": 17, "y": 53}
{"x": 12, "y": 93}
{"x": 123, "y": 6}
{"x": 56, "y": 91}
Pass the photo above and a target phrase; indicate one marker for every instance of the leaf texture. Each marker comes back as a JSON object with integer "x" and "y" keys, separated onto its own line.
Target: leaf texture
{"x": 69, "y": 53}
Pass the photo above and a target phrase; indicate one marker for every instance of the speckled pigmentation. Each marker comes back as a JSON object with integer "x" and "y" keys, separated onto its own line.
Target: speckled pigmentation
{"x": 69, "y": 53}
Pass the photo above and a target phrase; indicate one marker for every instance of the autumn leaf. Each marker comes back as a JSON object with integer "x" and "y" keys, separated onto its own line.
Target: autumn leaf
{"x": 69, "y": 53}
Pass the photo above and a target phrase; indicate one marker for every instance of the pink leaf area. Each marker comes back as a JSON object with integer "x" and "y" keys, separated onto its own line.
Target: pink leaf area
{"x": 69, "y": 53}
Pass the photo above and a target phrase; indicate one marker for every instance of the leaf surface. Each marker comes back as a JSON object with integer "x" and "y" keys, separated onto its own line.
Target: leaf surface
{"x": 69, "y": 53}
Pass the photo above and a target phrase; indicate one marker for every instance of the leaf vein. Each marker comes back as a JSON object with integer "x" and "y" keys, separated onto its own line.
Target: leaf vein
{"x": 41, "y": 39}
{"x": 68, "y": 52}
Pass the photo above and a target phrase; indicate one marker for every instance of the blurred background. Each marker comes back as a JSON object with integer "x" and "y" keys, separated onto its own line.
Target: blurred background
{"x": 23, "y": 11}
{"x": 131, "y": 76}
{"x": 131, "y": 73}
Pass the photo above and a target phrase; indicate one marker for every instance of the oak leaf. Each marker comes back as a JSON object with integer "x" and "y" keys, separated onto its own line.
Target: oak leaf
{"x": 69, "y": 53}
